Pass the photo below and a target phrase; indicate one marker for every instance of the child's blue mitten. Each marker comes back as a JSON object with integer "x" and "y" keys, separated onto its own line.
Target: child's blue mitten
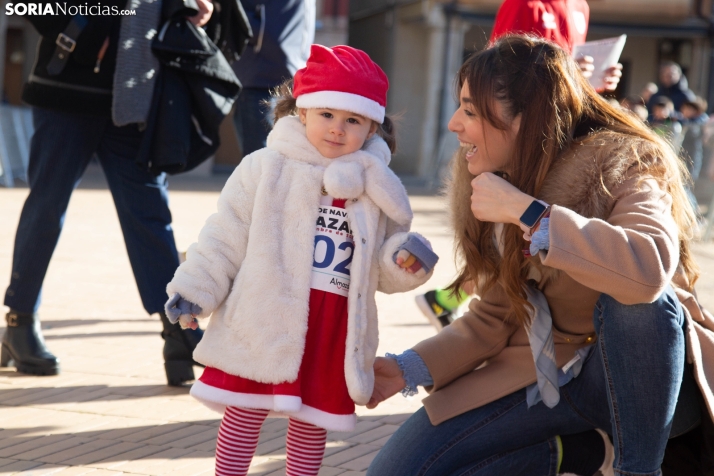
{"x": 421, "y": 251}
{"x": 176, "y": 307}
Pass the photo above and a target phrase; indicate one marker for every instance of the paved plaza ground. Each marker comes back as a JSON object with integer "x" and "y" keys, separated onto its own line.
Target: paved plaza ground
{"x": 110, "y": 411}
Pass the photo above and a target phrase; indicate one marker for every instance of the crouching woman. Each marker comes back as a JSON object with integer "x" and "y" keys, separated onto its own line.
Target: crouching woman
{"x": 571, "y": 216}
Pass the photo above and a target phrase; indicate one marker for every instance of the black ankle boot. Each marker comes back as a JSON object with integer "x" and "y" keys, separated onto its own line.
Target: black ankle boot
{"x": 178, "y": 351}
{"x": 24, "y": 347}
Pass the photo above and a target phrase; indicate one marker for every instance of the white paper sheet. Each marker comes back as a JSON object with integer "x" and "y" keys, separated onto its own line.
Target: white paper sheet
{"x": 605, "y": 53}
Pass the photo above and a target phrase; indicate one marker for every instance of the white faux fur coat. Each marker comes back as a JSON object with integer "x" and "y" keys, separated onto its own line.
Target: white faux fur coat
{"x": 251, "y": 267}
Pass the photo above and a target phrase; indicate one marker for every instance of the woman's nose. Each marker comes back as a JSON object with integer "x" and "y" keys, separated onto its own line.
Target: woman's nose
{"x": 454, "y": 125}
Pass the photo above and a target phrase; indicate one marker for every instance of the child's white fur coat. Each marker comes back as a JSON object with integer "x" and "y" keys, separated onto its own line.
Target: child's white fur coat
{"x": 251, "y": 267}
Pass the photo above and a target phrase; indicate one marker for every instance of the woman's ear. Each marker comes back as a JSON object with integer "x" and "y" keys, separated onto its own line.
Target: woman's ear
{"x": 302, "y": 113}
{"x": 372, "y": 129}
{"x": 516, "y": 124}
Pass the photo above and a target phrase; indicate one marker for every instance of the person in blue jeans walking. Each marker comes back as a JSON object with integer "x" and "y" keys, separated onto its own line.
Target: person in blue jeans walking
{"x": 79, "y": 111}
{"x": 283, "y": 32}
{"x": 573, "y": 219}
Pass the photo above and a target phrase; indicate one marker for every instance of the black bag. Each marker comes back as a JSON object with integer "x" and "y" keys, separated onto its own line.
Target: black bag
{"x": 195, "y": 90}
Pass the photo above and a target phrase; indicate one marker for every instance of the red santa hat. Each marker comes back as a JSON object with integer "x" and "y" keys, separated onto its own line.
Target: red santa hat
{"x": 343, "y": 78}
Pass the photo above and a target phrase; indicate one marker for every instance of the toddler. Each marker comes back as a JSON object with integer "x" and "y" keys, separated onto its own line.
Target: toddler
{"x": 307, "y": 230}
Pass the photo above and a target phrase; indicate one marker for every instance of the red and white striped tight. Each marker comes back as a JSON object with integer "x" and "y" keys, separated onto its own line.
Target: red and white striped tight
{"x": 238, "y": 438}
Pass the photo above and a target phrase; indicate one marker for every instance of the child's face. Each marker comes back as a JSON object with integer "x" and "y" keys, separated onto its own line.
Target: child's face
{"x": 688, "y": 111}
{"x": 661, "y": 112}
{"x": 334, "y": 132}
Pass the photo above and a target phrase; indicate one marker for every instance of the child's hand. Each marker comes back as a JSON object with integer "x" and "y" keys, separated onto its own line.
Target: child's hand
{"x": 182, "y": 311}
{"x": 415, "y": 256}
{"x": 409, "y": 263}
{"x": 188, "y": 322}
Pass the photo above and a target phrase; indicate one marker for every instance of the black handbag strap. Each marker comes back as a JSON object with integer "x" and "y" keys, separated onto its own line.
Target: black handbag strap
{"x": 66, "y": 42}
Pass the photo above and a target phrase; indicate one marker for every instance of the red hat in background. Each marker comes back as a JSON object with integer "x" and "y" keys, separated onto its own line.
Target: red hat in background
{"x": 343, "y": 78}
{"x": 564, "y": 22}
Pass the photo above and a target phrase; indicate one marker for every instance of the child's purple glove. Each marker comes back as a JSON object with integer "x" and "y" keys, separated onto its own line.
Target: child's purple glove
{"x": 416, "y": 256}
{"x": 182, "y": 311}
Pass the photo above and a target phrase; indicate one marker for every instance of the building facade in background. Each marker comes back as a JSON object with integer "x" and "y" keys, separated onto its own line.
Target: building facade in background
{"x": 421, "y": 44}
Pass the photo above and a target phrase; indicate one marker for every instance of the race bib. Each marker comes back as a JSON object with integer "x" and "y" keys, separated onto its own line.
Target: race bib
{"x": 334, "y": 247}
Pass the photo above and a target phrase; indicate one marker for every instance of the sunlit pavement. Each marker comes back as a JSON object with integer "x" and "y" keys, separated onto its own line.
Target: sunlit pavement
{"x": 110, "y": 411}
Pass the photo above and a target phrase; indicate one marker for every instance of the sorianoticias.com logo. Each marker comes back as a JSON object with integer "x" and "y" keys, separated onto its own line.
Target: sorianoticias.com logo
{"x": 61, "y": 8}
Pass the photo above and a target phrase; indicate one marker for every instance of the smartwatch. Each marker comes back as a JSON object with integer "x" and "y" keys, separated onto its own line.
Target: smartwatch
{"x": 531, "y": 217}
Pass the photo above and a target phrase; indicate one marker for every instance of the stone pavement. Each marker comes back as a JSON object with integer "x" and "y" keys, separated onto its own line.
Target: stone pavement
{"x": 110, "y": 412}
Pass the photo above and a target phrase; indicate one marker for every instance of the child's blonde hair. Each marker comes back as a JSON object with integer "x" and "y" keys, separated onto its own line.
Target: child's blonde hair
{"x": 285, "y": 106}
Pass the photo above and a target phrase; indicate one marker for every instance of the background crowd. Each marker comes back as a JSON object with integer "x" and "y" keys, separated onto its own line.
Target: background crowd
{"x": 678, "y": 114}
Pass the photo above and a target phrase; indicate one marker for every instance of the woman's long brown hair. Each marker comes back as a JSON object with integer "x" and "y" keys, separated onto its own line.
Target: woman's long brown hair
{"x": 540, "y": 81}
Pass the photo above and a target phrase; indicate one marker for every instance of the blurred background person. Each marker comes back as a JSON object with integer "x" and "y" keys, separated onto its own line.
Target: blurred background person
{"x": 564, "y": 22}
{"x": 636, "y": 105}
{"x": 672, "y": 85}
{"x": 283, "y": 31}
{"x": 663, "y": 120}
{"x": 648, "y": 91}
{"x": 80, "y": 112}
{"x": 694, "y": 119}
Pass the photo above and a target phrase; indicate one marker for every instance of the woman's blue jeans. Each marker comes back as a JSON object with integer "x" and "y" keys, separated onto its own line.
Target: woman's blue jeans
{"x": 629, "y": 387}
{"x": 61, "y": 148}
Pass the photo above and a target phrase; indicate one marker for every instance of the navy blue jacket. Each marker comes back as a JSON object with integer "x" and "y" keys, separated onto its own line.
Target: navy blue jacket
{"x": 282, "y": 33}
{"x": 677, "y": 93}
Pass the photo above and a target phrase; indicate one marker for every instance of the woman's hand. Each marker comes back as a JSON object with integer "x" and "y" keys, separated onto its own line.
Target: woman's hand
{"x": 494, "y": 199}
{"x": 205, "y": 10}
{"x": 388, "y": 380}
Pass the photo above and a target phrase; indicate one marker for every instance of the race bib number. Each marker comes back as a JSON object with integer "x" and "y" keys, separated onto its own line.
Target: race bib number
{"x": 334, "y": 247}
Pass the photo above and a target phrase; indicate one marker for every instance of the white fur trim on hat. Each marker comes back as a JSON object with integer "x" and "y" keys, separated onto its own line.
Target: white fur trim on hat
{"x": 344, "y": 101}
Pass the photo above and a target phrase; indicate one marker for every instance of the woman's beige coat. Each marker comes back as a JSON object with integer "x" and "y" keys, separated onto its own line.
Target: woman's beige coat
{"x": 623, "y": 243}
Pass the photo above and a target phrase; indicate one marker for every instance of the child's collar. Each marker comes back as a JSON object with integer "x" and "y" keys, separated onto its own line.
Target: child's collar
{"x": 350, "y": 176}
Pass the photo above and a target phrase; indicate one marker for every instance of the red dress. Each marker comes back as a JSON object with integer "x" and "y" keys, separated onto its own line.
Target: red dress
{"x": 319, "y": 394}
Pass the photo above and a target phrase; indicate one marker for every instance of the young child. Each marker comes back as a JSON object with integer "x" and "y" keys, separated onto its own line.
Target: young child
{"x": 664, "y": 121}
{"x": 307, "y": 230}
